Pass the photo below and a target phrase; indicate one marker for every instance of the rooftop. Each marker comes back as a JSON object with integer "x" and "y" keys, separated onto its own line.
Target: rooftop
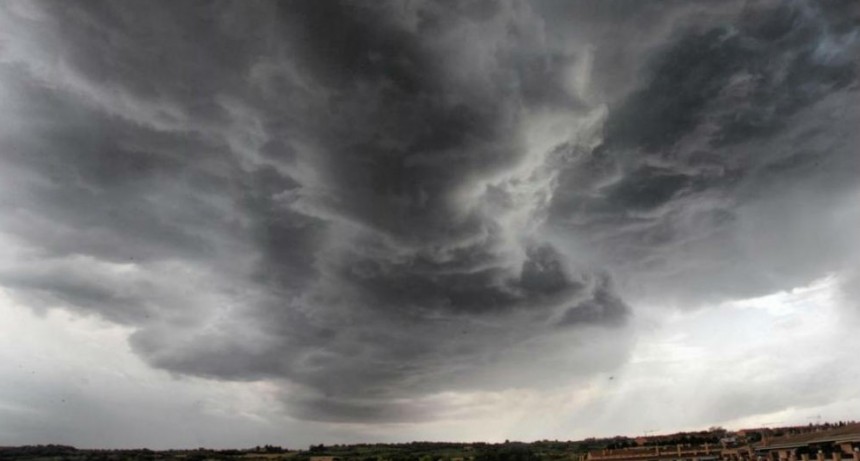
{"x": 843, "y": 434}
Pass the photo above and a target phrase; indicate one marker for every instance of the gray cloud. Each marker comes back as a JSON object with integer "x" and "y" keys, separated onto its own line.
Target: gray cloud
{"x": 687, "y": 198}
{"x": 346, "y": 198}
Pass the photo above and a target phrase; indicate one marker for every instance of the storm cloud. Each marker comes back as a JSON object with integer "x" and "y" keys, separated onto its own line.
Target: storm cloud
{"x": 373, "y": 203}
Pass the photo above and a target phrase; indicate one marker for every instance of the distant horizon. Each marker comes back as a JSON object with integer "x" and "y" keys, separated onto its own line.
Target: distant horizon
{"x": 334, "y": 444}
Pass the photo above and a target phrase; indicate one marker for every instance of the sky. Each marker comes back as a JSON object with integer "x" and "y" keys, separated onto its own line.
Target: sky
{"x": 233, "y": 223}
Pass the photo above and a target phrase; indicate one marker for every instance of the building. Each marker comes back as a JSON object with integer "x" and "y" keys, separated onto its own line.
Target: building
{"x": 705, "y": 452}
{"x": 839, "y": 443}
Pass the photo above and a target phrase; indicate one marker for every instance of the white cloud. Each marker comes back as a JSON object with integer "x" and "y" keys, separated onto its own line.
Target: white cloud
{"x": 778, "y": 358}
{"x": 71, "y": 379}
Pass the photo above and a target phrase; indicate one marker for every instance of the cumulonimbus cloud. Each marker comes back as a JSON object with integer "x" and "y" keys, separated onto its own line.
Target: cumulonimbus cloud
{"x": 376, "y": 202}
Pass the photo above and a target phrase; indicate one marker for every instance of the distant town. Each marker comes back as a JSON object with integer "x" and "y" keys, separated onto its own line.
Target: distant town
{"x": 839, "y": 441}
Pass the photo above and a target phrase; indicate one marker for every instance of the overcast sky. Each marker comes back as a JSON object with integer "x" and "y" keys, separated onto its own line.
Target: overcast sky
{"x": 230, "y": 223}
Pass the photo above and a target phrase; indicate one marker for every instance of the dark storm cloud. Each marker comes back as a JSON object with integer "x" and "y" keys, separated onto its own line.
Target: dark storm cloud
{"x": 349, "y": 198}
{"x": 725, "y": 117}
{"x": 177, "y": 138}
{"x": 475, "y": 286}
